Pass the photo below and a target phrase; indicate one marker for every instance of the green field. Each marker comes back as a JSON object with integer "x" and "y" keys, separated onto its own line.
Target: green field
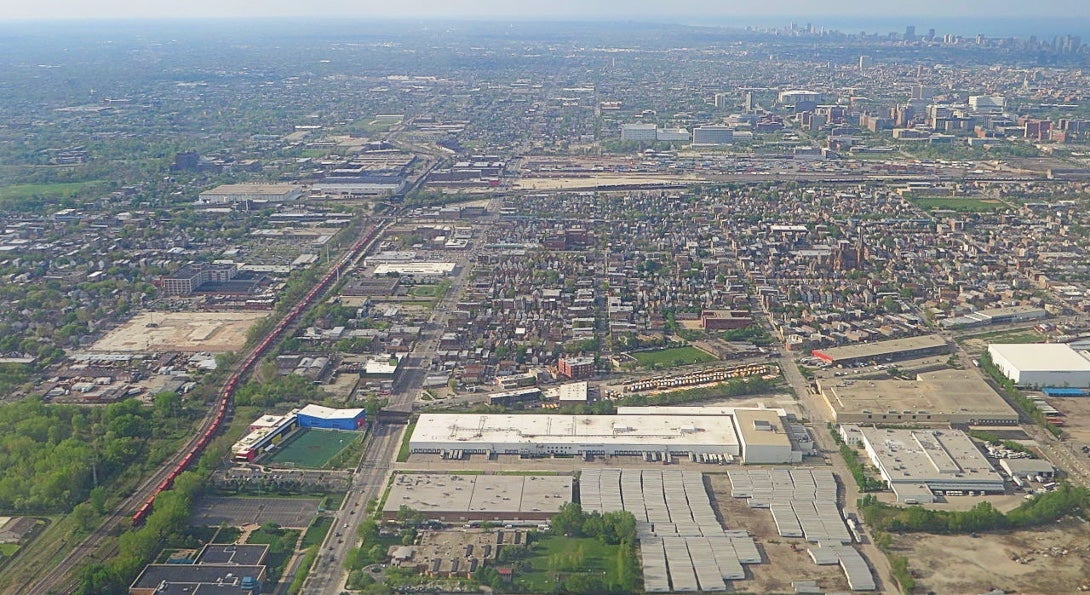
{"x": 13, "y": 196}
{"x": 964, "y": 205}
{"x": 312, "y": 449}
{"x": 676, "y": 356}
{"x": 1008, "y": 336}
{"x": 558, "y": 559}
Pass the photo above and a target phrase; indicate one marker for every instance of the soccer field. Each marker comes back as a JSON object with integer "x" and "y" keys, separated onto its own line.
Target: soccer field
{"x": 311, "y": 448}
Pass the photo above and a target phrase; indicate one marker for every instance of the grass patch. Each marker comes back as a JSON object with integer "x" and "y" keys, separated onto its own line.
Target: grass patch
{"x": 437, "y": 290}
{"x": 8, "y": 549}
{"x": 281, "y": 544}
{"x": 312, "y": 448}
{"x": 1008, "y": 336}
{"x": 317, "y": 531}
{"x": 26, "y": 195}
{"x": 953, "y": 203}
{"x": 554, "y": 560}
{"x": 403, "y": 452}
{"x": 667, "y": 358}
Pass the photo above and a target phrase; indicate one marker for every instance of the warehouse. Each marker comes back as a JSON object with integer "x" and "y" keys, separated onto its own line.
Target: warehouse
{"x": 884, "y": 351}
{"x": 1042, "y": 364}
{"x": 232, "y": 193}
{"x": 757, "y": 435}
{"x": 918, "y": 463}
{"x": 941, "y": 397}
{"x": 458, "y": 498}
{"x": 544, "y": 435}
{"x": 763, "y": 434}
{"x": 316, "y": 416}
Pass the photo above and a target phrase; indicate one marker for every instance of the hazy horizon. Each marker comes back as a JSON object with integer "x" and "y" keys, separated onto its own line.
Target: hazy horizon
{"x": 682, "y": 11}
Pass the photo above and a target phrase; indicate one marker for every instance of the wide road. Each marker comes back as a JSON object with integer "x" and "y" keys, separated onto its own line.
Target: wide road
{"x": 816, "y": 411}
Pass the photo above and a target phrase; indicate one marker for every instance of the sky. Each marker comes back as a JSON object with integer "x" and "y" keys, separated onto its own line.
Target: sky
{"x": 645, "y": 10}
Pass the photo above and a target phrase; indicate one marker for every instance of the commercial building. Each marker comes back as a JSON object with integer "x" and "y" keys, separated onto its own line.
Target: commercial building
{"x": 639, "y": 132}
{"x": 919, "y": 464}
{"x": 316, "y": 416}
{"x": 266, "y": 432}
{"x": 710, "y": 136}
{"x": 575, "y": 367}
{"x": 931, "y": 398}
{"x": 572, "y": 393}
{"x": 757, "y": 435}
{"x": 222, "y": 569}
{"x": 187, "y": 279}
{"x": 1042, "y": 364}
{"x": 795, "y": 98}
{"x": 884, "y": 351}
{"x": 232, "y": 193}
{"x": 459, "y": 498}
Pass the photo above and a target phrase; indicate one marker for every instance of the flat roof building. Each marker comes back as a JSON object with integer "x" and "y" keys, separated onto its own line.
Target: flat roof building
{"x": 457, "y": 498}
{"x": 894, "y": 350}
{"x": 942, "y": 397}
{"x": 543, "y": 435}
{"x": 230, "y": 193}
{"x": 1042, "y": 364}
{"x": 916, "y": 463}
{"x": 416, "y": 269}
{"x": 757, "y": 435}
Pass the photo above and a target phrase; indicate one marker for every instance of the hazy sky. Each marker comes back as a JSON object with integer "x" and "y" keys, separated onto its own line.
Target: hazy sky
{"x": 678, "y": 10}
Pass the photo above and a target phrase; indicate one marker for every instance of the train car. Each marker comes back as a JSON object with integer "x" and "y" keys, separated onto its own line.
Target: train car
{"x": 141, "y": 513}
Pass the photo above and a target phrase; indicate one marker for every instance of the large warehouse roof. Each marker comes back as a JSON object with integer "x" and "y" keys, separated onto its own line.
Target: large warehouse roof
{"x": 660, "y": 430}
{"x": 943, "y": 396}
{"x": 1042, "y": 357}
{"x": 883, "y": 348}
{"x": 433, "y": 493}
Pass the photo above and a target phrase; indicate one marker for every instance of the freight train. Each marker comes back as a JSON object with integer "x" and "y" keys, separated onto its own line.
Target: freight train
{"x": 223, "y": 403}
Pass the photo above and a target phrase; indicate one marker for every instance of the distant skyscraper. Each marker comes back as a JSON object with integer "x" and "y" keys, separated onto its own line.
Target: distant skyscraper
{"x": 910, "y": 33}
{"x": 723, "y": 101}
{"x": 750, "y": 103}
{"x": 864, "y": 63}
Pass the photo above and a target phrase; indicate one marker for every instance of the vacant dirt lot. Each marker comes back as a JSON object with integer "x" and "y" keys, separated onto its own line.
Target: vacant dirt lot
{"x": 782, "y": 563}
{"x": 1049, "y": 560}
{"x": 214, "y": 332}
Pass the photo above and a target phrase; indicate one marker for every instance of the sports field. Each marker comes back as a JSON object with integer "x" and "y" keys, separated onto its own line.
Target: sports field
{"x": 311, "y": 448}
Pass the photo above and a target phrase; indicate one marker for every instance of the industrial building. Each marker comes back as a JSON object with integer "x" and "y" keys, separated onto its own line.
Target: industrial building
{"x": 757, "y": 435}
{"x": 931, "y": 398}
{"x": 223, "y": 569}
{"x": 918, "y": 464}
{"x": 358, "y": 186}
{"x": 684, "y": 546}
{"x": 995, "y": 316}
{"x": 1042, "y": 364}
{"x": 316, "y": 416}
{"x": 453, "y": 498}
{"x": 434, "y": 270}
{"x": 231, "y": 193}
{"x": 884, "y": 351}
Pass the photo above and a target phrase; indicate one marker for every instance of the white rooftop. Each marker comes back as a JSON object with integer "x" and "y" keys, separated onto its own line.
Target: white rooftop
{"x": 1042, "y": 357}
{"x": 329, "y": 413}
{"x": 663, "y": 430}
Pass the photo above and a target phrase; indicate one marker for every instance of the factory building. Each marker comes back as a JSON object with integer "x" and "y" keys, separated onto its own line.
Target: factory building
{"x": 1042, "y": 365}
{"x": 920, "y": 464}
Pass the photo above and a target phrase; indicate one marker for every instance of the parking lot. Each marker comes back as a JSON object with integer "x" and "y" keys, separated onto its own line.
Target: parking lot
{"x": 237, "y": 512}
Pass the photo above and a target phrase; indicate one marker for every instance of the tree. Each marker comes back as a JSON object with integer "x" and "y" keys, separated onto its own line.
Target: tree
{"x": 569, "y": 521}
